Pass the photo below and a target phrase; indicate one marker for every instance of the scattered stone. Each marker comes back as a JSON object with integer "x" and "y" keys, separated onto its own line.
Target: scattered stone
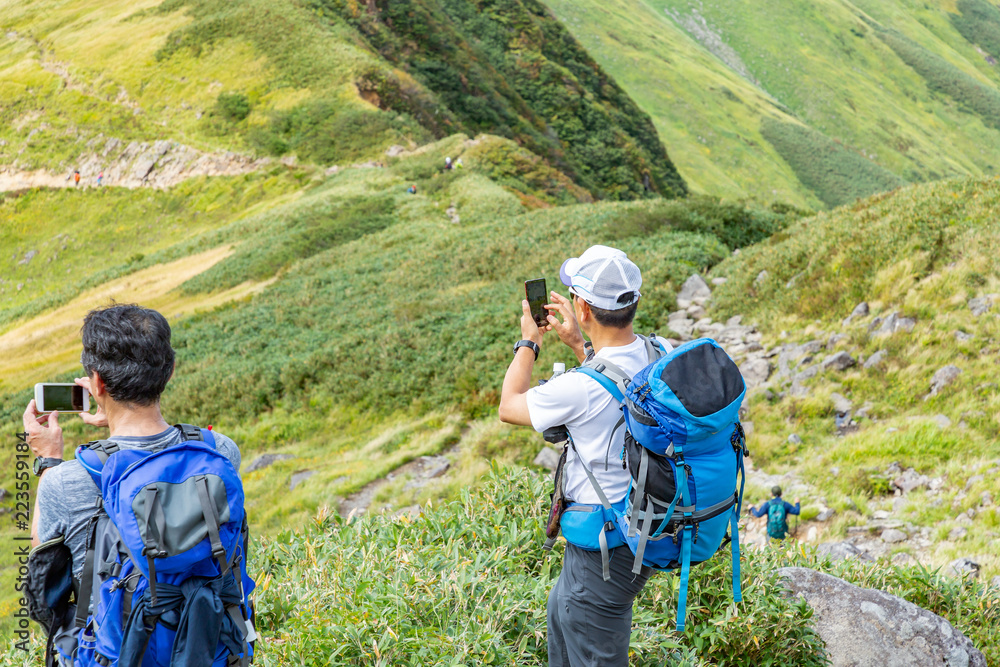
{"x": 547, "y": 458}
{"x": 734, "y": 321}
{"x": 942, "y": 378}
{"x": 891, "y": 536}
{"x": 985, "y": 499}
{"x": 265, "y": 460}
{"x": 995, "y": 582}
{"x": 911, "y": 480}
{"x": 755, "y": 372}
{"x": 719, "y": 281}
{"x": 395, "y": 150}
{"x": 28, "y": 256}
{"x": 693, "y": 288}
{"x": 839, "y": 362}
{"x": 761, "y": 277}
{"x": 975, "y": 479}
{"x": 840, "y": 550}
{"x": 903, "y": 558}
{"x": 876, "y": 359}
{"x": 957, "y": 533}
{"x": 963, "y": 337}
{"x": 964, "y": 567}
{"x": 794, "y": 439}
{"x": 862, "y": 626}
{"x": 942, "y": 421}
{"x": 980, "y": 305}
{"x": 881, "y": 514}
{"x": 826, "y": 514}
{"x": 833, "y": 340}
{"x": 840, "y": 404}
{"x": 3, "y": 494}
{"x": 299, "y": 477}
{"x": 860, "y": 310}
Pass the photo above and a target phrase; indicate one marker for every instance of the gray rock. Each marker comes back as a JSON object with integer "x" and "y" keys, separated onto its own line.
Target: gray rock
{"x": 891, "y": 536}
{"x": 761, "y": 277}
{"x": 833, "y": 340}
{"x": 942, "y": 378}
{"x": 840, "y": 404}
{"x": 975, "y": 479}
{"x": 863, "y": 626}
{"x": 794, "y": 439}
{"x": 894, "y": 469}
{"x": 839, "y": 362}
{"x": 957, "y": 533}
{"x": 903, "y": 558}
{"x": 28, "y": 256}
{"x": 942, "y": 421}
{"x": 911, "y": 480}
{"x": 995, "y": 582}
{"x": 860, "y": 310}
{"x": 964, "y": 567}
{"x": 755, "y": 372}
{"x": 748, "y": 429}
{"x": 547, "y": 458}
{"x": 693, "y": 288}
{"x": 980, "y": 305}
{"x": 894, "y": 323}
{"x": 299, "y": 477}
{"x": 841, "y": 550}
{"x": 876, "y": 359}
{"x": 265, "y": 460}
{"x": 719, "y": 281}
{"x": 826, "y": 514}
{"x": 963, "y": 337}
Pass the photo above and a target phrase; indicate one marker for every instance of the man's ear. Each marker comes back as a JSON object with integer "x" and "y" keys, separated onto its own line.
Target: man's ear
{"x": 97, "y": 386}
{"x": 585, "y": 313}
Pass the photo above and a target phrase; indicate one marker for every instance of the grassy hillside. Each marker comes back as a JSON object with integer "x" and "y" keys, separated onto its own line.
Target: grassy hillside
{"x": 218, "y": 75}
{"x": 874, "y": 93}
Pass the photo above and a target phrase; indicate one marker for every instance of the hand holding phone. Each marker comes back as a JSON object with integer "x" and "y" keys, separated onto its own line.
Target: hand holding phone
{"x": 537, "y": 296}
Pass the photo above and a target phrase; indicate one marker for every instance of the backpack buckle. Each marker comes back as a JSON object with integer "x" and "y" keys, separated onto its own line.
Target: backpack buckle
{"x": 609, "y": 526}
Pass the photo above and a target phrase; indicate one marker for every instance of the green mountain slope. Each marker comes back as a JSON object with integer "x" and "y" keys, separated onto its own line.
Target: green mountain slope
{"x": 892, "y": 92}
{"x": 220, "y": 75}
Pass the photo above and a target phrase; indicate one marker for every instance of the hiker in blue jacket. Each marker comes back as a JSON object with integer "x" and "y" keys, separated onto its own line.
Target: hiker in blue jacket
{"x": 776, "y": 510}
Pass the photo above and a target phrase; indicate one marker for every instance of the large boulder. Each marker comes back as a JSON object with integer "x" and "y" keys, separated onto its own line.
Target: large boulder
{"x": 942, "y": 378}
{"x": 755, "y": 371}
{"x": 863, "y": 626}
{"x": 694, "y": 290}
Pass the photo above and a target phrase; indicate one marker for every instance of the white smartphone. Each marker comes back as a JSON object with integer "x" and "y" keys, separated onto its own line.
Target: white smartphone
{"x": 62, "y": 397}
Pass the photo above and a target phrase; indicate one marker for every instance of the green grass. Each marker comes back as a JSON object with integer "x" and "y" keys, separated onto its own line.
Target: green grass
{"x": 979, "y": 22}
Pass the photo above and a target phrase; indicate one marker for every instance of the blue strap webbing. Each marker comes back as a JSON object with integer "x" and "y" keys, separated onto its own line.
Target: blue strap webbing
{"x": 735, "y": 529}
{"x": 208, "y": 437}
{"x": 685, "y": 573}
{"x": 681, "y": 478}
{"x": 604, "y": 381}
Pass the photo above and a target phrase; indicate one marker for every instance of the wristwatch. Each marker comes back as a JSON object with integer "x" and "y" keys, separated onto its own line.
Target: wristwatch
{"x": 42, "y": 463}
{"x": 528, "y": 343}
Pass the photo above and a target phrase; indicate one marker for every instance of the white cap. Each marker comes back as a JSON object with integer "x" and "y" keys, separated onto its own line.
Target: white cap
{"x": 603, "y": 277}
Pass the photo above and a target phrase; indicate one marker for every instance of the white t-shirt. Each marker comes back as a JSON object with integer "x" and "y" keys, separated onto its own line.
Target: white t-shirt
{"x": 590, "y": 413}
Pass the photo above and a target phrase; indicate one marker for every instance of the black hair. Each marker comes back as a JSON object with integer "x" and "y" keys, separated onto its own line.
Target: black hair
{"x": 129, "y": 347}
{"x": 618, "y": 319}
{"x": 776, "y": 491}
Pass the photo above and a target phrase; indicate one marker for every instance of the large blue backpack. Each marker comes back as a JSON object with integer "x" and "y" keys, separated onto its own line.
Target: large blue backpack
{"x": 166, "y": 559}
{"x": 684, "y": 447}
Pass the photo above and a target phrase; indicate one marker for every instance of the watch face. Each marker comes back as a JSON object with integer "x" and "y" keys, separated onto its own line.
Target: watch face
{"x": 37, "y": 468}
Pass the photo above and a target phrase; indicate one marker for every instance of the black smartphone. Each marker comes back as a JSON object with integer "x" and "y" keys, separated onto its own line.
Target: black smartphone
{"x": 537, "y": 296}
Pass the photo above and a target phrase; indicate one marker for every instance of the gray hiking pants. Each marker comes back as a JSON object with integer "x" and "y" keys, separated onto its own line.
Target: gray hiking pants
{"x": 590, "y": 620}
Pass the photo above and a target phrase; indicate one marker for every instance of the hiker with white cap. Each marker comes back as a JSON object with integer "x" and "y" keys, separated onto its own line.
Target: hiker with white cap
{"x": 590, "y": 606}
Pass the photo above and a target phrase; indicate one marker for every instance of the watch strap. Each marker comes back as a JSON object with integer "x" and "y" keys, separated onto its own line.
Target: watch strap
{"x": 528, "y": 343}
{"x": 43, "y": 463}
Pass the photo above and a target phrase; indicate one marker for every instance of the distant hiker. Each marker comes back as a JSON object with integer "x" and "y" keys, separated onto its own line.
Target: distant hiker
{"x": 777, "y": 511}
{"x": 589, "y": 615}
{"x": 76, "y": 178}
{"x": 187, "y": 517}
{"x": 447, "y": 164}
{"x": 458, "y": 164}
{"x": 100, "y": 177}
{"x": 412, "y": 189}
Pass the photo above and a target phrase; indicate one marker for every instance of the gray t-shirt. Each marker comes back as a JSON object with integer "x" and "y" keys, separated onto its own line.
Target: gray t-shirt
{"x": 67, "y": 494}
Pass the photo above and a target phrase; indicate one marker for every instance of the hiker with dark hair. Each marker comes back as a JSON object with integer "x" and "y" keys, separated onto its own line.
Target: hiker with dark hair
{"x": 590, "y": 606}
{"x": 128, "y": 361}
{"x": 76, "y": 178}
{"x": 777, "y": 511}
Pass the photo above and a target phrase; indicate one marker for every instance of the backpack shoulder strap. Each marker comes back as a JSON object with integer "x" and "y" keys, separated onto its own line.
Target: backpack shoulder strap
{"x": 608, "y": 375}
{"x": 94, "y": 455}
{"x": 189, "y": 432}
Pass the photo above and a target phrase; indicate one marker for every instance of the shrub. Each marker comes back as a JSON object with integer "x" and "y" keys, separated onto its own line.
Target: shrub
{"x": 979, "y": 22}
{"x": 233, "y": 106}
{"x": 835, "y": 173}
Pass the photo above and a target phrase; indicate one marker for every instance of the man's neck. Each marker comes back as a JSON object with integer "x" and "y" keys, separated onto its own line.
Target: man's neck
{"x": 140, "y": 421}
{"x": 603, "y": 337}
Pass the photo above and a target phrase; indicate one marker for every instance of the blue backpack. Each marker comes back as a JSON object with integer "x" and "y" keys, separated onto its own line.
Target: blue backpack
{"x": 684, "y": 448}
{"x": 166, "y": 559}
{"x": 777, "y": 523}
